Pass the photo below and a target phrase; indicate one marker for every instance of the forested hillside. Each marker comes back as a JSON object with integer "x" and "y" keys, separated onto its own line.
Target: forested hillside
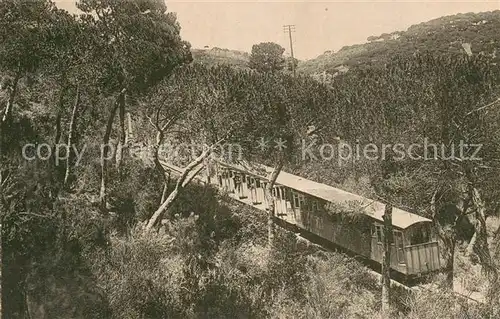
{"x": 216, "y": 56}
{"x": 94, "y": 226}
{"x": 442, "y": 36}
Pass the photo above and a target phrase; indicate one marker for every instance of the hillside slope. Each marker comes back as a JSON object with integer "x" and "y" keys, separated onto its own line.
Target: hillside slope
{"x": 215, "y": 56}
{"x": 443, "y": 35}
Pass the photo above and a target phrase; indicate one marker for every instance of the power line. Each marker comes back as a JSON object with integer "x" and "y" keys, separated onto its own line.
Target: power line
{"x": 289, "y": 28}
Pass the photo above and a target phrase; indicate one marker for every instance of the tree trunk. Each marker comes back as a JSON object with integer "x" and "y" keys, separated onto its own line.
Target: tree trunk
{"x": 156, "y": 154}
{"x": 207, "y": 171}
{"x": 72, "y": 125}
{"x": 27, "y": 305}
{"x": 449, "y": 243}
{"x": 186, "y": 177}
{"x": 450, "y": 265}
{"x": 130, "y": 135}
{"x": 12, "y": 97}
{"x": 159, "y": 167}
{"x": 481, "y": 248}
{"x": 121, "y": 141}
{"x": 496, "y": 243}
{"x": 4, "y": 121}
{"x": 165, "y": 190}
{"x": 183, "y": 181}
{"x": 386, "y": 261}
{"x": 1, "y": 248}
{"x": 448, "y": 253}
{"x": 270, "y": 201}
{"x": 60, "y": 110}
{"x": 470, "y": 247}
{"x": 105, "y": 151}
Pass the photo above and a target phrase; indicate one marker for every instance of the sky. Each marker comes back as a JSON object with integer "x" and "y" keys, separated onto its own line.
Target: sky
{"x": 319, "y": 25}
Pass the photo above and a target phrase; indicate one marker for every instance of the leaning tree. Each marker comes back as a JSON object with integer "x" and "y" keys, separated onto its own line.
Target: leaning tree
{"x": 137, "y": 44}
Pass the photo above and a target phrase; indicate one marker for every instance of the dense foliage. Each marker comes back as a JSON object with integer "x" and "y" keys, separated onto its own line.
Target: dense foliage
{"x": 443, "y": 35}
{"x": 118, "y": 237}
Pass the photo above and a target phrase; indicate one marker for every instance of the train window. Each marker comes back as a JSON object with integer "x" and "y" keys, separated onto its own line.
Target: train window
{"x": 301, "y": 200}
{"x": 398, "y": 236}
{"x": 399, "y": 239}
{"x": 286, "y": 194}
{"x": 380, "y": 235}
{"x": 314, "y": 205}
{"x": 296, "y": 202}
{"x": 425, "y": 234}
{"x": 420, "y": 235}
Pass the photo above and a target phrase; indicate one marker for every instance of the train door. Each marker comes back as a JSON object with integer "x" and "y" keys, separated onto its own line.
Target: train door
{"x": 277, "y": 202}
{"x": 244, "y": 186}
{"x": 282, "y": 196}
{"x": 237, "y": 185}
{"x": 264, "y": 193}
{"x": 377, "y": 242}
{"x": 225, "y": 180}
{"x": 220, "y": 180}
{"x": 287, "y": 205}
{"x": 280, "y": 203}
{"x": 254, "y": 191}
{"x": 259, "y": 188}
{"x": 296, "y": 202}
{"x": 230, "y": 180}
{"x": 399, "y": 243}
{"x": 251, "y": 189}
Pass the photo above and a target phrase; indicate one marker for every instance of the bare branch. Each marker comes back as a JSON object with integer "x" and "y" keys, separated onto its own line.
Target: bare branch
{"x": 484, "y": 106}
{"x": 151, "y": 121}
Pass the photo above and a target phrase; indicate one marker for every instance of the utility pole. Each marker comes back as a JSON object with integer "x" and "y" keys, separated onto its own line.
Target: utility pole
{"x": 388, "y": 194}
{"x": 290, "y": 28}
{"x": 386, "y": 261}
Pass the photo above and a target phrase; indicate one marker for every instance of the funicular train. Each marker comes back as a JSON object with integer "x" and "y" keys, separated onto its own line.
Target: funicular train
{"x": 305, "y": 204}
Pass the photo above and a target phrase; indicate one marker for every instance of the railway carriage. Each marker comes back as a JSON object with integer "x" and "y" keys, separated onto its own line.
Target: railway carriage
{"x": 308, "y": 206}
{"x": 320, "y": 210}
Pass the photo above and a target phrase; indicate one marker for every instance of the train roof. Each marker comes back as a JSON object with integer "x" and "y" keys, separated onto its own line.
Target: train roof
{"x": 400, "y": 218}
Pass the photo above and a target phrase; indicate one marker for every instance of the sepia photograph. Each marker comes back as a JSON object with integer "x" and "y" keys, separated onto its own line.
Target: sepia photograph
{"x": 164, "y": 159}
